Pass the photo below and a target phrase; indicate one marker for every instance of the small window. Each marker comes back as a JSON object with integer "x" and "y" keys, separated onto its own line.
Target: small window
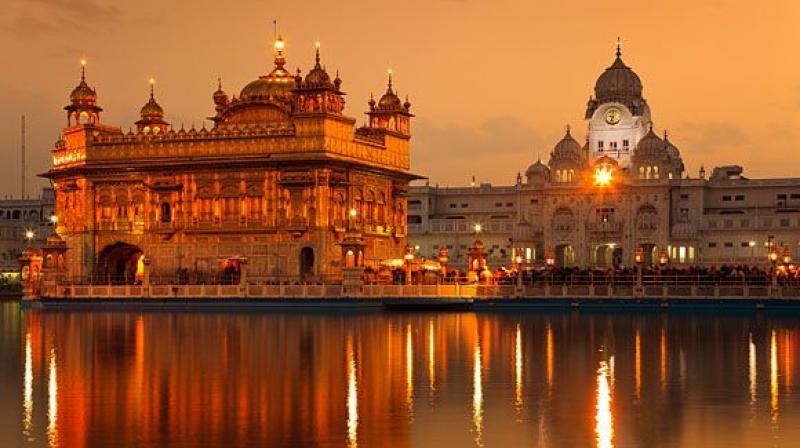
{"x": 726, "y": 198}
{"x": 795, "y": 196}
{"x": 509, "y": 204}
{"x": 745, "y": 244}
{"x": 464, "y": 205}
{"x": 739, "y": 197}
{"x": 712, "y": 245}
{"x": 728, "y": 243}
{"x": 453, "y": 205}
{"x": 781, "y": 196}
{"x": 534, "y": 201}
{"x": 498, "y": 204}
{"x": 684, "y": 196}
{"x": 166, "y": 212}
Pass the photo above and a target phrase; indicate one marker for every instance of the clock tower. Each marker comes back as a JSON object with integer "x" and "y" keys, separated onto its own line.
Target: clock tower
{"x": 617, "y": 115}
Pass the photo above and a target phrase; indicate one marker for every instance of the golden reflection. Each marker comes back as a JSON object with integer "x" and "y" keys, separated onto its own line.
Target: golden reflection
{"x": 27, "y": 401}
{"x": 611, "y": 373}
{"x": 52, "y": 403}
{"x": 604, "y": 420}
{"x": 518, "y": 370}
{"x": 773, "y": 378}
{"x": 550, "y": 356}
{"x": 663, "y": 370}
{"x": 352, "y": 397}
{"x": 477, "y": 397}
{"x": 431, "y": 359}
{"x": 409, "y": 373}
{"x": 637, "y": 362}
{"x": 753, "y": 370}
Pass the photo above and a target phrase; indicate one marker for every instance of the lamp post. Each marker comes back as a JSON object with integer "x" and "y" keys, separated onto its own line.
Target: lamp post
{"x": 772, "y": 255}
{"x": 444, "y": 257}
{"x": 409, "y": 258}
{"x": 638, "y": 257}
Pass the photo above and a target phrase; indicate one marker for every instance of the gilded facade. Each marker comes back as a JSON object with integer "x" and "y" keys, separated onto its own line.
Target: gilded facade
{"x": 621, "y": 190}
{"x": 275, "y": 182}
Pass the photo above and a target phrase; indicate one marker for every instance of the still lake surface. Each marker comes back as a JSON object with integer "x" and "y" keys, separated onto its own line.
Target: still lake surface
{"x": 374, "y": 379}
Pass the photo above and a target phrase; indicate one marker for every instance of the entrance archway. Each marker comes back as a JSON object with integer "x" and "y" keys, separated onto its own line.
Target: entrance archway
{"x": 565, "y": 256}
{"x": 306, "y": 263}
{"x": 120, "y": 264}
{"x": 607, "y": 256}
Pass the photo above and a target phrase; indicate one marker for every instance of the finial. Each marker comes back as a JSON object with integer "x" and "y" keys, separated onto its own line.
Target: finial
{"x": 619, "y": 48}
{"x": 650, "y": 125}
{"x": 279, "y": 44}
{"x": 666, "y": 134}
{"x": 317, "y": 57}
{"x": 152, "y": 87}
{"x": 219, "y": 83}
{"x": 389, "y": 72}
{"x": 567, "y": 128}
{"x": 83, "y": 69}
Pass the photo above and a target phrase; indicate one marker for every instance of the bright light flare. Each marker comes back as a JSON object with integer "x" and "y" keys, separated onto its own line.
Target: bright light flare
{"x": 603, "y": 176}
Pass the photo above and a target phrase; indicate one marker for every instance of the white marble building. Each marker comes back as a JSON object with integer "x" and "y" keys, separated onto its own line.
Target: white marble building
{"x": 625, "y": 188}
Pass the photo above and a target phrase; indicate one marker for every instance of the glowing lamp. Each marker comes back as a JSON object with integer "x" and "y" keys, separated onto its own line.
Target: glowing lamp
{"x": 603, "y": 176}
{"x": 787, "y": 256}
{"x": 478, "y": 227}
{"x": 29, "y": 234}
{"x": 353, "y": 213}
{"x": 279, "y": 44}
{"x": 54, "y": 219}
{"x": 773, "y": 256}
{"x": 638, "y": 257}
{"x": 663, "y": 259}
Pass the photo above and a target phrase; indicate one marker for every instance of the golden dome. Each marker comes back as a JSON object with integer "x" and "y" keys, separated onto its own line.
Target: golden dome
{"x": 152, "y": 110}
{"x": 82, "y": 94}
{"x": 276, "y": 84}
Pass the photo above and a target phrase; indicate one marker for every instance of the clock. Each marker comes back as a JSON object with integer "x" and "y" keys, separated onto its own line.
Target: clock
{"x": 613, "y": 116}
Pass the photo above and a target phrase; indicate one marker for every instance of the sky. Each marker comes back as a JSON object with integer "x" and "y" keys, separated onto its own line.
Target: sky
{"x": 492, "y": 83}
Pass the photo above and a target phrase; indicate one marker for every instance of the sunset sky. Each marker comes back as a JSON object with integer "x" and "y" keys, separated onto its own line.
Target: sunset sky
{"x": 492, "y": 83}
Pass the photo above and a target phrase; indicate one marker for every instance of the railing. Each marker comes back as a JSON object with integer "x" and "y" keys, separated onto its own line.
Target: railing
{"x": 470, "y": 291}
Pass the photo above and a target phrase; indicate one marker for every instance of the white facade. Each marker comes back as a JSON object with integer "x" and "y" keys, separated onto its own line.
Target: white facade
{"x": 597, "y": 204}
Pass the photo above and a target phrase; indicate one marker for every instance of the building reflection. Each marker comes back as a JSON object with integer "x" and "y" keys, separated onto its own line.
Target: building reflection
{"x": 299, "y": 379}
{"x": 604, "y": 421}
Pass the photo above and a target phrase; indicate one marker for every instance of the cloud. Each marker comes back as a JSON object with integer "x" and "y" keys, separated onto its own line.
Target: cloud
{"x": 492, "y": 151}
{"x": 39, "y": 18}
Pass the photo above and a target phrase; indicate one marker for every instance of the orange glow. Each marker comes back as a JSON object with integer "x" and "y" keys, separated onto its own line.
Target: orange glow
{"x": 604, "y": 420}
{"x": 603, "y": 176}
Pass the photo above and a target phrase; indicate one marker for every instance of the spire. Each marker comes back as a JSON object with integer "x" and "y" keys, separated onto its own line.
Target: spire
{"x": 619, "y": 48}
{"x": 389, "y": 88}
{"x": 152, "y": 88}
{"x": 317, "y": 55}
{"x": 567, "y": 128}
{"x": 219, "y": 83}
{"x": 83, "y": 70}
{"x": 279, "y": 46}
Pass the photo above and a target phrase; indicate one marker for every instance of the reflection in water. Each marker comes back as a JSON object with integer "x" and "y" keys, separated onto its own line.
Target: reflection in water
{"x": 663, "y": 376}
{"x": 753, "y": 369}
{"x": 352, "y": 397}
{"x": 604, "y": 424}
{"x": 431, "y": 360}
{"x": 518, "y": 371}
{"x": 637, "y": 363}
{"x": 326, "y": 379}
{"x": 27, "y": 399}
{"x": 409, "y": 374}
{"x": 550, "y": 356}
{"x": 773, "y": 377}
{"x": 477, "y": 396}
{"x": 52, "y": 402}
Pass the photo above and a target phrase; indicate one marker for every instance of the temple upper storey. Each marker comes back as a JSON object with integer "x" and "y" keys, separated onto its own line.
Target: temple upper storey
{"x": 278, "y": 116}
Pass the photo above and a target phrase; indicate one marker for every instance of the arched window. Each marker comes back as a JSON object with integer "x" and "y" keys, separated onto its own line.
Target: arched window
{"x": 166, "y": 212}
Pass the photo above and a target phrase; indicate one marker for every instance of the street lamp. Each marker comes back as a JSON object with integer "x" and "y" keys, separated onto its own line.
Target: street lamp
{"x": 638, "y": 257}
{"x": 29, "y": 235}
{"x": 408, "y": 257}
{"x": 478, "y": 228}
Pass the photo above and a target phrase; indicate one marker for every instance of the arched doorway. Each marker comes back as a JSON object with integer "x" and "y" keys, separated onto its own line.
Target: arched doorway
{"x": 565, "y": 256}
{"x": 607, "y": 256}
{"x": 306, "y": 263}
{"x": 120, "y": 263}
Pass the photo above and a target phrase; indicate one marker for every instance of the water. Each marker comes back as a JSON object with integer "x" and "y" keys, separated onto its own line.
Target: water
{"x": 368, "y": 379}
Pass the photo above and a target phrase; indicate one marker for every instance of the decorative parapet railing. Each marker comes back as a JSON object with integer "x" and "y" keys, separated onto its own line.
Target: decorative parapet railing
{"x": 476, "y": 292}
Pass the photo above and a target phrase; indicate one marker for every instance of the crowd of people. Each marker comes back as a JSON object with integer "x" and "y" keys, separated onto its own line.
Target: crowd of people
{"x": 699, "y": 275}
